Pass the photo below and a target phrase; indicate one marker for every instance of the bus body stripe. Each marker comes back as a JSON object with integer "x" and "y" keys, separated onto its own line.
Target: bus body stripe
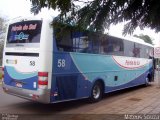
{"x": 19, "y": 75}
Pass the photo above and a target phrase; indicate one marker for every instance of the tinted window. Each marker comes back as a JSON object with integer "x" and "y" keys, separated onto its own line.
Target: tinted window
{"x": 89, "y": 42}
{"x": 113, "y": 46}
{"x": 128, "y": 48}
{"x": 132, "y": 49}
{"x": 71, "y": 41}
{"x": 149, "y": 52}
{"x": 80, "y": 42}
{"x": 95, "y": 42}
{"x": 24, "y": 32}
{"x": 64, "y": 41}
{"x": 137, "y": 50}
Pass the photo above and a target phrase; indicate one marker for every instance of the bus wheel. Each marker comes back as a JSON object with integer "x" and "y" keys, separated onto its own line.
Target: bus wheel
{"x": 97, "y": 92}
{"x": 147, "y": 83}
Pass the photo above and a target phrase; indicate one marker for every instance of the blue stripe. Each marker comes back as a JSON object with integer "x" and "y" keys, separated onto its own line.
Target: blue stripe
{"x": 28, "y": 81}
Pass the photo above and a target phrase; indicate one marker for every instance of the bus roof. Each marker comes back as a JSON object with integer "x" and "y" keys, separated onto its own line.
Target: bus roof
{"x": 128, "y": 38}
{"x": 133, "y": 39}
{"x": 18, "y": 19}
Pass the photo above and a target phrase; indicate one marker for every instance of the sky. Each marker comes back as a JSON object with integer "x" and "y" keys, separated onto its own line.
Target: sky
{"x": 14, "y": 8}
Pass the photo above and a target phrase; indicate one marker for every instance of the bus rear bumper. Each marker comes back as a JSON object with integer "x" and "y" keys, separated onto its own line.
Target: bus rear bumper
{"x": 39, "y": 95}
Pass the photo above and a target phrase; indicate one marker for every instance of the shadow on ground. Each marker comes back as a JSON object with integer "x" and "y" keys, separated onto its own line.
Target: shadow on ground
{"x": 57, "y": 108}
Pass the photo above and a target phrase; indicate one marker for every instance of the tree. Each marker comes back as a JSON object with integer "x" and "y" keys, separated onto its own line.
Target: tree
{"x": 100, "y": 14}
{"x": 2, "y": 37}
{"x": 146, "y": 38}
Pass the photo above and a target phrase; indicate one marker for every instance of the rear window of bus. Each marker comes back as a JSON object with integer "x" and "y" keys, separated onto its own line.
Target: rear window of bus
{"x": 24, "y": 32}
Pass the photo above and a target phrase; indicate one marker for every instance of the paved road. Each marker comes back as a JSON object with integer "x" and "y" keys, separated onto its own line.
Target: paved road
{"x": 145, "y": 100}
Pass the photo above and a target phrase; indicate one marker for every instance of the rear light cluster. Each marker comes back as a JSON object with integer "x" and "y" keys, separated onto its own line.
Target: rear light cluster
{"x": 42, "y": 80}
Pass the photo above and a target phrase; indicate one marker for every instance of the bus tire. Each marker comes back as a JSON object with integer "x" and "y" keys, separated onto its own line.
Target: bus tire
{"x": 147, "y": 82}
{"x": 97, "y": 92}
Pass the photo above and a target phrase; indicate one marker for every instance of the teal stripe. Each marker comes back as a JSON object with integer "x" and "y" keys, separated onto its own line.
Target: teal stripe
{"x": 103, "y": 66}
{"x": 19, "y": 76}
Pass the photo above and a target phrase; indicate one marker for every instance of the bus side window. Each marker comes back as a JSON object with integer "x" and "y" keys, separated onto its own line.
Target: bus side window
{"x": 113, "y": 46}
{"x": 95, "y": 43}
{"x": 108, "y": 49}
{"x": 80, "y": 42}
{"x": 137, "y": 50}
{"x": 63, "y": 41}
{"x": 128, "y": 49}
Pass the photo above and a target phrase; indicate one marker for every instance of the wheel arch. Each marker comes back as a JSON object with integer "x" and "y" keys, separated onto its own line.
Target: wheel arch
{"x": 101, "y": 84}
{"x": 101, "y": 81}
{"x": 149, "y": 77}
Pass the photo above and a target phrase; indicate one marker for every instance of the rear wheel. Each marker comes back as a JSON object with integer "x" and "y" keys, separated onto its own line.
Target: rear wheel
{"x": 97, "y": 92}
{"x": 147, "y": 82}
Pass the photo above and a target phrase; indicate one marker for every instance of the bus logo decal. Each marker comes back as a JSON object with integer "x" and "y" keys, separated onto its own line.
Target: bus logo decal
{"x": 21, "y": 36}
{"x": 129, "y": 63}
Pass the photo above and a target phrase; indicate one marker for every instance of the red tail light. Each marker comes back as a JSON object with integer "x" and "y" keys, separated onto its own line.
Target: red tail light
{"x": 43, "y": 74}
{"x": 43, "y": 80}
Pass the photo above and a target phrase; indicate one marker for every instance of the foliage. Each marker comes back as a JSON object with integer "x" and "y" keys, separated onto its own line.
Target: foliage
{"x": 2, "y": 26}
{"x": 1, "y": 51}
{"x": 2, "y": 37}
{"x": 62, "y": 27}
{"x": 100, "y": 14}
{"x": 146, "y": 38}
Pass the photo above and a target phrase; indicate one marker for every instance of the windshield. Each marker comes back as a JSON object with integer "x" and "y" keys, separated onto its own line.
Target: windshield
{"x": 26, "y": 33}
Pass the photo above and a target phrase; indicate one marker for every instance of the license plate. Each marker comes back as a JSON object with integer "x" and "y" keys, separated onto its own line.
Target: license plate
{"x": 18, "y": 85}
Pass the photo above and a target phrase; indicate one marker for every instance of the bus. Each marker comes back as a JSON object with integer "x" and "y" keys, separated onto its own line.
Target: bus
{"x": 49, "y": 64}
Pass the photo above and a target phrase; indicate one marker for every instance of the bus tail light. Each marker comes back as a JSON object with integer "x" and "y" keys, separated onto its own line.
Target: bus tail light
{"x": 43, "y": 80}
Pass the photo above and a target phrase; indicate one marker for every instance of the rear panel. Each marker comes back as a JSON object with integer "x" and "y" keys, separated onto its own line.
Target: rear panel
{"x": 21, "y": 71}
{"x": 26, "y": 62}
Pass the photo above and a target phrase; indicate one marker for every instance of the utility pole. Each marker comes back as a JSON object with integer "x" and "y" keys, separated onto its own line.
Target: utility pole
{"x": 157, "y": 55}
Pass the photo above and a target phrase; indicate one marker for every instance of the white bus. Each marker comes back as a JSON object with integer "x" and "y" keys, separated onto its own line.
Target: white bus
{"x": 41, "y": 66}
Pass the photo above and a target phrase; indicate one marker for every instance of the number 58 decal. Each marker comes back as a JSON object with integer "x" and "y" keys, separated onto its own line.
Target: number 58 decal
{"x": 32, "y": 63}
{"x": 61, "y": 63}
